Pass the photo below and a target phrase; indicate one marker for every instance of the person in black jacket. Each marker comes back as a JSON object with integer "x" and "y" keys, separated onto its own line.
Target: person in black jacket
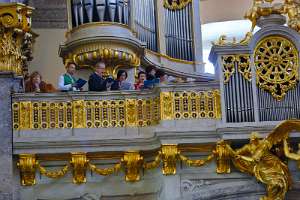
{"x": 96, "y": 81}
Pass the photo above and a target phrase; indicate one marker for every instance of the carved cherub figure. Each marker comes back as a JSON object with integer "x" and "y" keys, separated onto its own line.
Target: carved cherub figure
{"x": 257, "y": 159}
{"x": 292, "y": 9}
{"x": 252, "y": 14}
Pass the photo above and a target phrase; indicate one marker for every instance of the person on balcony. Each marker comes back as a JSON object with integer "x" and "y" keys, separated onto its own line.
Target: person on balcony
{"x": 162, "y": 76}
{"x": 121, "y": 83}
{"x": 96, "y": 81}
{"x": 140, "y": 83}
{"x": 67, "y": 81}
{"x": 150, "y": 72}
{"x": 35, "y": 84}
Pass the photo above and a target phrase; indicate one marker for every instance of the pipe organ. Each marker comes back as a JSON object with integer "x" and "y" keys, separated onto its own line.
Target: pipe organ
{"x": 238, "y": 93}
{"x": 179, "y": 40}
{"x": 87, "y": 11}
{"x": 144, "y": 18}
{"x": 260, "y": 80}
{"x": 145, "y": 23}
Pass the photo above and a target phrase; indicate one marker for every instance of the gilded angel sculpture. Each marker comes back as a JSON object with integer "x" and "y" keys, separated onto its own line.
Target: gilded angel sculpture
{"x": 257, "y": 159}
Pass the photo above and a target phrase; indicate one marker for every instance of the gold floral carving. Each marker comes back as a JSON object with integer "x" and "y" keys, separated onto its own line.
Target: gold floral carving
{"x": 244, "y": 68}
{"x": 79, "y": 119}
{"x": 176, "y": 4}
{"x": 106, "y": 171}
{"x": 277, "y": 65}
{"x": 195, "y": 163}
{"x": 79, "y": 163}
{"x": 53, "y": 174}
{"x": 228, "y": 63}
{"x": 166, "y": 102}
{"x": 131, "y": 112}
{"x": 154, "y": 164}
{"x": 132, "y": 161}
{"x": 15, "y": 24}
{"x": 27, "y": 165}
{"x": 169, "y": 154}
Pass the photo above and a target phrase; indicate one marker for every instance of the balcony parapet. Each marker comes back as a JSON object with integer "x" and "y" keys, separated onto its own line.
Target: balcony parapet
{"x": 114, "y": 109}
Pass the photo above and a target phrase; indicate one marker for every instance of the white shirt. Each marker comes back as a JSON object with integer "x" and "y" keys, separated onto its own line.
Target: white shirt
{"x": 62, "y": 86}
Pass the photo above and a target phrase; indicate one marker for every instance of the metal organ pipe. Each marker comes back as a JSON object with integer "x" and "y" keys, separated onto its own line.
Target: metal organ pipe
{"x": 88, "y": 6}
{"x": 179, "y": 33}
{"x": 120, "y": 10}
{"x": 146, "y": 23}
{"x": 100, "y": 6}
{"x": 112, "y": 6}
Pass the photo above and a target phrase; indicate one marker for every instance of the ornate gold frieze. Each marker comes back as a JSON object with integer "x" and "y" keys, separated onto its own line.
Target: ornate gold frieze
{"x": 277, "y": 65}
{"x": 79, "y": 164}
{"x": 228, "y": 67}
{"x": 132, "y": 161}
{"x": 27, "y": 165}
{"x": 255, "y": 159}
{"x": 15, "y": 23}
{"x": 176, "y": 4}
{"x": 116, "y": 113}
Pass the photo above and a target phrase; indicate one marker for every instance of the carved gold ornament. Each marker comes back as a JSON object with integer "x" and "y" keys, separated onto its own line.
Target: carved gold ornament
{"x": 222, "y": 158}
{"x": 132, "y": 162}
{"x": 79, "y": 163}
{"x": 169, "y": 155}
{"x": 53, "y": 174}
{"x": 257, "y": 159}
{"x": 176, "y": 4}
{"x": 267, "y": 7}
{"x": 27, "y": 165}
{"x": 277, "y": 65}
{"x": 233, "y": 63}
{"x": 108, "y": 55}
{"x": 291, "y": 8}
{"x": 15, "y": 23}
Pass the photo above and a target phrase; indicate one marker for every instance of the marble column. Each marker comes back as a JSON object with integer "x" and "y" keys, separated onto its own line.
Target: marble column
{"x": 8, "y": 84}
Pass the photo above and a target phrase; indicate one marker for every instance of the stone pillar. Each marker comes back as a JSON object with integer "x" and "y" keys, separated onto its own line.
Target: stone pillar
{"x": 14, "y": 33}
{"x": 8, "y": 83}
{"x": 197, "y": 35}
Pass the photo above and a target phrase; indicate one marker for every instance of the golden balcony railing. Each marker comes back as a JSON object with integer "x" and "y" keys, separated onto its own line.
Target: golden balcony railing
{"x": 62, "y": 110}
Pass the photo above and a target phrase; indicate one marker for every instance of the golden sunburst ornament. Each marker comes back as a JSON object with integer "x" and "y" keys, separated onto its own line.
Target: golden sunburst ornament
{"x": 276, "y": 62}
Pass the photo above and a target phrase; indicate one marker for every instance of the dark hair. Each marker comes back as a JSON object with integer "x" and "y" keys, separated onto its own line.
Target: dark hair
{"x": 120, "y": 72}
{"x": 160, "y": 73}
{"x": 141, "y": 72}
{"x": 149, "y": 69}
